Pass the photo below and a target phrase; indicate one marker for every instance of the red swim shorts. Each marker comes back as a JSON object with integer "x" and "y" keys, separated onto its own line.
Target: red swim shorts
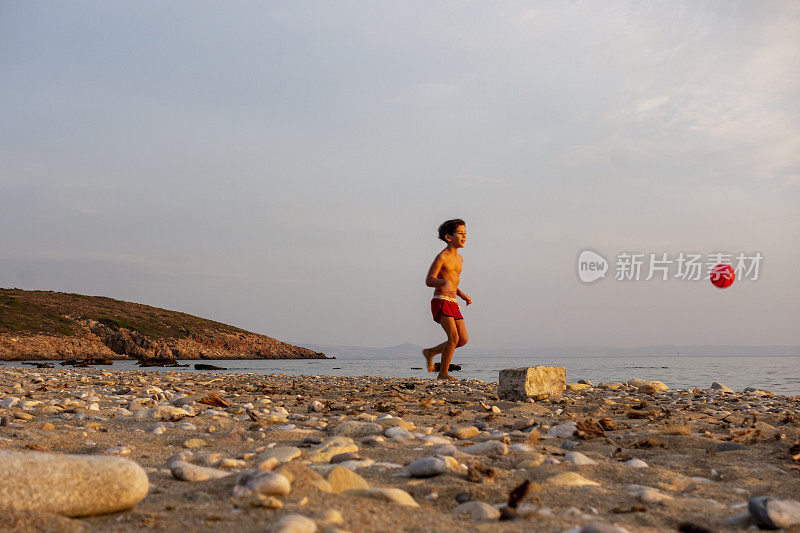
{"x": 446, "y": 308}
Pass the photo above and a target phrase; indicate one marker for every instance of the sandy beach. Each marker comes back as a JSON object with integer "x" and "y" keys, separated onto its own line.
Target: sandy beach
{"x": 226, "y": 452}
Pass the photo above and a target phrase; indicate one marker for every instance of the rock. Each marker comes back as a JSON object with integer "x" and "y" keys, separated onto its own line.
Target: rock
{"x": 636, "y": 463}
{"x": 351, "y": 428}
{"x": 602, "y": 528}
{"x": 315, "y": 407}
{"x": 533, "y": 461}
{"x": 480, "y": 510}
{"x": 464, "y": 433}
{"x": 344, "y": 457}
{"x": 342, "y": 479}
{"x": 577, "y": 386}
{"x": 303, "y": 479}
{"x": 519, "y": 384}
{"x": 70, "y": 485}
{"x": 189, "y": 472}
{"x": 649, "y": 495}
{"x": 489, "y": 447}
{"x": 332, "y": 516}
{"x": 730, "y": 446}
{"x": 720, "y": 387}
{"x": 397, "y": 432}
{"x": 638, "y": 383}
{"x": 427, "y": 467}
{"x": 567, "y": 429}
{"x": 774, "y": 513}
{"x": 392, "y": 495}
{"x": 323, "y": 452}
{"x": 195, "y": 443}
{"x": 520, "y": 425}
{"x": 577, "y": 458}
{"x": 295, "y": 523}
{"x": 282, "y": 454}
{"x": 571, "y": 479}
{"x": 261, "y": 483}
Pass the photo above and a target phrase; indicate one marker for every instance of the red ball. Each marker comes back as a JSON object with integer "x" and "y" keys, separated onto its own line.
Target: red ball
{"x": 722, "y": 276}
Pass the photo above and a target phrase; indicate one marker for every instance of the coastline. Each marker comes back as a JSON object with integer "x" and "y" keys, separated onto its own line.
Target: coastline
{"x": 707, "y": 452}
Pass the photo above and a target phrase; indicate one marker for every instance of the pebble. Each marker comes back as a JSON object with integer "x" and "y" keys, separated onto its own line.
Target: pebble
{"x": 533, "y": 461}
{"x": 195, "y": 443}
{"x": 283, "y": 454}
{"x": 601, "y": 528}
{"x": 188, "y": 472}
{"x": 342, "y": 479}
{"x": 571, "y": 479}
{"x": 464, "y": 433}
{"x": 315, "y": 407}
{"x": 774, "y": 513}
{"x": 336, "y": 445}
{"x": 636, "y": 463}
{"x": 720, "y": 387}
{"x": 392, "y": 495}
{"x": 562, "y": 430}
{"x": 480, "y": 510}
{"x": 648, "y": 495}
{"x": 344, "y": 457}
{"x": 397, "y": 432}
{"x": 577, "y": 458}
{"x": 489, "y": 447}
{"x": 295, "y": 523}
{"x": 261, "y": 483}
{"x": 70, "y": 485}
{"x": 351, "y": 428}
{"x": 427, "y": 467}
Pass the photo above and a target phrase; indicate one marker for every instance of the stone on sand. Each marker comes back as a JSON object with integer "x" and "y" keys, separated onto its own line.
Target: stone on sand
{"x": 295, "y": 523}
{"x": 342, "y": 479}
{"x": 392, "y": 495}
{"x": 283, "y": 454}
{"x": 262, "y": 483}
{"x": 427, "y": 467}
{"x": 571, "y": 479}
{"x": 774, "y": 513}
{"x": 70, "y": 485}
{"x": 489, "y": 447}
{"x": 336, "y": 445}
{"x": 577, "y": 458}
{"x": 480, "y": 510}
{"x": 519, "y": 384}
{"x": 189, "y": 472}
{"x": 464, "y": 433}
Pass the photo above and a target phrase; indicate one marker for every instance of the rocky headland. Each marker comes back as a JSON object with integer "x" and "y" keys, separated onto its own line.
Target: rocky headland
{"x": 36, "y": 325}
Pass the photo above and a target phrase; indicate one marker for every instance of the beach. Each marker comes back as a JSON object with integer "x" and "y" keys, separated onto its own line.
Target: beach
{"x": 243, "y": 452}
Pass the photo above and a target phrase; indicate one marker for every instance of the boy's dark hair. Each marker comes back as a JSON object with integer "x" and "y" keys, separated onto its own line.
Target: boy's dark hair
{"x": 449, "y": 227}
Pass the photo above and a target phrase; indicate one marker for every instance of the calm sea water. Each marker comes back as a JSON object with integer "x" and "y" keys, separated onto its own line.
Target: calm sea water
{"x": 776, "y": 374}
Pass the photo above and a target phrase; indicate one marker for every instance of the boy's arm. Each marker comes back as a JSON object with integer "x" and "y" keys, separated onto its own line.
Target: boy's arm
{"x": 464, "y": 296}
{"x": 431, "y": 280}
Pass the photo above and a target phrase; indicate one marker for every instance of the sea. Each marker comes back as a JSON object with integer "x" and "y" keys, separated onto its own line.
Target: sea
{"x": 776, "y": 374}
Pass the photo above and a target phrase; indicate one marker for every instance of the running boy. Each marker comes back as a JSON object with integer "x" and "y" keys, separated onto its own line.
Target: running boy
{"x": 443, "y": 276}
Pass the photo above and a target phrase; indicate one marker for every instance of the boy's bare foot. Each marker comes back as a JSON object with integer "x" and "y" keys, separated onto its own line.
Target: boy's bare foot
{"x": 426, "y": 352}
{"x": 447, "y": 378}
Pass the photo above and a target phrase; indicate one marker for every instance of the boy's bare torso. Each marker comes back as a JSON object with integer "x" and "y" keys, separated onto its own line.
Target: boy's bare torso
{"x": 450, "y": 271}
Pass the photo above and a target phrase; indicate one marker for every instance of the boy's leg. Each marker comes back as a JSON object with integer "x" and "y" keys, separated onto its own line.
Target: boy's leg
{"x": 462, "y": 333}
{"x": 448, "y": 323}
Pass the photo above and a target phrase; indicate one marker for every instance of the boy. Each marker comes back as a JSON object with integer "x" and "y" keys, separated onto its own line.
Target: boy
{"x": 443, "y": 275}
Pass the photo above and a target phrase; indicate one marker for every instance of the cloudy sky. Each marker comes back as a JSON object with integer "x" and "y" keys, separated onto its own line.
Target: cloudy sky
{"x": 284, "y": 166}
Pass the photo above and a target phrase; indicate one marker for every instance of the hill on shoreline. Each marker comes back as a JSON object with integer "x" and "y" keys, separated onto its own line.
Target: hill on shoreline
{"x": 57, "y": 325}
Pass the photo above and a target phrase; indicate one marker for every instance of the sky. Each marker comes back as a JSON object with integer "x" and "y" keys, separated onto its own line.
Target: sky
{"x": 284, "y": 166}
